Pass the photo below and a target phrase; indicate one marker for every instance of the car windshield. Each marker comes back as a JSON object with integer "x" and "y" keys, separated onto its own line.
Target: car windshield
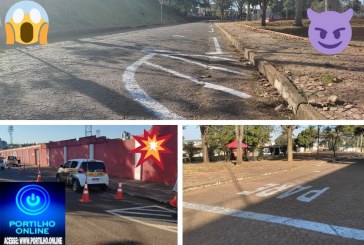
{"x": 93, "y": 166}
{"x": 11, "y": 158}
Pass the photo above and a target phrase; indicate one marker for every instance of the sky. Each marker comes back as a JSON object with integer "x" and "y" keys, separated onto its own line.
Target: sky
{"x": 193, "y": 132}
{"x": 44, "y": 134}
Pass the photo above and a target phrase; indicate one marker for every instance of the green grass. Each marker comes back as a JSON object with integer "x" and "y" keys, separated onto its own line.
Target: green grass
{"x": 73, "y": 15}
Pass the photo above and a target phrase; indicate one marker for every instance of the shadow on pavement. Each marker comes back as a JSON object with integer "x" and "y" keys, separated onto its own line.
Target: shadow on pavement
{"x": 340, "y": 205}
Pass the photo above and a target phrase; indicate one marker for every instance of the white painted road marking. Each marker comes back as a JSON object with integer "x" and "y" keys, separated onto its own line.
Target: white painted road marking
{"x": 203, "y": 65}
{"x": 179, "y": 36}
{"x": 125, "y": 214}
{"x": 272, "y": 189}
{"x": 139, "y": 95}
{"x": 334, "y": 230}
{"x": 217, "y": 47}
{"x": 212, "y": 30}
{"x": 205, "y": 84}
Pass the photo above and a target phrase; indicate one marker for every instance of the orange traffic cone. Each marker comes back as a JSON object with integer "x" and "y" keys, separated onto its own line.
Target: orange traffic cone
{"x": 85, "y": 195}
{"x": 173, "y": 201}
{"x": 39, "y": 178}
{"x": 119, "y": 193}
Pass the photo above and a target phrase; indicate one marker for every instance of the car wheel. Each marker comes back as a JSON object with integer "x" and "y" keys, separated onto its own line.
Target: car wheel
{"x": 76, "y": 186}
{"x": 58, "y": 178}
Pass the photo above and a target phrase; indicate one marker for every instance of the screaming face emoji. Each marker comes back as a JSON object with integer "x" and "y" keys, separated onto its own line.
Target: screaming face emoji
{"x": 26, "y": 23}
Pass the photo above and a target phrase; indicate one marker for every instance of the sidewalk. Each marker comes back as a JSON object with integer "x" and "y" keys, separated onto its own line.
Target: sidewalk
{"x": 203, "y": 175}
{"x": 332, "y": 85}
{"x": 146, "y": 190}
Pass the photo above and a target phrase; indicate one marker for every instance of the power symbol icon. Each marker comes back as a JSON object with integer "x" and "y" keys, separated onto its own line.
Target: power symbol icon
{"x": 33, "y": 200}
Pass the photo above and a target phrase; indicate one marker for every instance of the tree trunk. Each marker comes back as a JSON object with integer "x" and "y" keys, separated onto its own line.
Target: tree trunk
{"x": 361, "y": 143}
{"x": 222, "y": 14}
{"x": 239, "y": 131}
{"x": 264, "y": 12}
{"x": 298, "y": 13}
{"x": 289, "y": 144}
{"x": 205, "y": 148}
{"x": 240, "y": 12}
{"x": 248, "y": 15}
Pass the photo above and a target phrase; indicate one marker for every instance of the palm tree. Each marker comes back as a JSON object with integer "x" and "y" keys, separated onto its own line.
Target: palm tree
{"x": 298, "y": 13}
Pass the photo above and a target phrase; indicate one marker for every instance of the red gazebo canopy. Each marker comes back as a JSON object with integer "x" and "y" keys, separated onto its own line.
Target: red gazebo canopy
{"x": 234, "y": 144}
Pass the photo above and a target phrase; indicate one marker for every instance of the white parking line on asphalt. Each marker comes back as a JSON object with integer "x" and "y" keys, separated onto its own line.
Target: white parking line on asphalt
{"x": 203, "y": 65}
{"x": 212, "y": 30}
{"x": 179, "y": 36}
{"x": 217, "y": 47}
{"x": 334, "y": 230}
{"x": 205, "y": 84}
{"x": 146, "y": 209}
{"x": 139, "y": 95}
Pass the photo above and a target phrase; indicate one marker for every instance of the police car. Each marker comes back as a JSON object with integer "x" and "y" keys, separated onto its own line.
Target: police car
{"x": 75, "y": 172}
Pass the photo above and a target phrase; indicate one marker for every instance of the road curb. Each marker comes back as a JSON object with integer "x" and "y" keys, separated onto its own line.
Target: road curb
{"x": 197, "y": 187}
{"x": 286, "y": 88}
{"x": 149, "y": 198}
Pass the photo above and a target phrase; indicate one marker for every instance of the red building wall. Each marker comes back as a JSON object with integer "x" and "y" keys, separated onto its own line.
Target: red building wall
{"x": 56, "y": 157}
{"x": 77, "y": 151}
{"x": 115, "y": 153}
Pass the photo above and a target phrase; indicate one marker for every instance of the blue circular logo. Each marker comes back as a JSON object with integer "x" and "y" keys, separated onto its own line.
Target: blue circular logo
{"x": 32, "y": 199}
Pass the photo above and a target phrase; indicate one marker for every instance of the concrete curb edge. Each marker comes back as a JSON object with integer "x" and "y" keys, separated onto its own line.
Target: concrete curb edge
{"x": 287, "y": 90}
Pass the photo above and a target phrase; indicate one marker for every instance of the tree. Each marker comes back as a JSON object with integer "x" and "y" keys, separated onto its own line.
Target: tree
{"x": 190, "y": 149}
{"x": 289, "y": 131}
{"x": 281, "y": 139}
{"x": 250, "y": 3}
{"x": 276, "y": 6}
{"x": 220, "y": 136}
{"x": 332, "y": 5}
{"x": 184, "y": 6}
{"x": 306, "y": 138}
{"x": 334, "y": 135}
{"x": 204, "y": 129}
{"x": 223, "y": 6}
{"x": 257, "y": 136}
{"x": 288, "y": 5}
{"x": 355, "y": 5}
{"x": 298, "y": 13}
{"x": 239, "y": 133}
{"x": 263, "y": 6}
{"x": 359, "y": 131}
{"x": 240, "y": 6}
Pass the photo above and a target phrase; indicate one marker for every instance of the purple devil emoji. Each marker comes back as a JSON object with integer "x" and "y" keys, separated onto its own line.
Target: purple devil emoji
{"x": 330, "y": 32}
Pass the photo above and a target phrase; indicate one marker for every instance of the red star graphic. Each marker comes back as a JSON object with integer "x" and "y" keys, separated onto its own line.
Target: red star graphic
{"x": 151, "y": 147}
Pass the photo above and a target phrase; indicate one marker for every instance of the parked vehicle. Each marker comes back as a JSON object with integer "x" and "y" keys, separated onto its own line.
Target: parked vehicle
{"x": 12, "y": 161}
{"x": 2, "y": 164}
{"x": 75, "y": 172}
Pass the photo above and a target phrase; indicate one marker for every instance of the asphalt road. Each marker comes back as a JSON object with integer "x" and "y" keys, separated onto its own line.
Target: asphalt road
{"x": 186, "y": 71}
{"x": 319, "y": 204}
{"x": 106, "y": 221}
